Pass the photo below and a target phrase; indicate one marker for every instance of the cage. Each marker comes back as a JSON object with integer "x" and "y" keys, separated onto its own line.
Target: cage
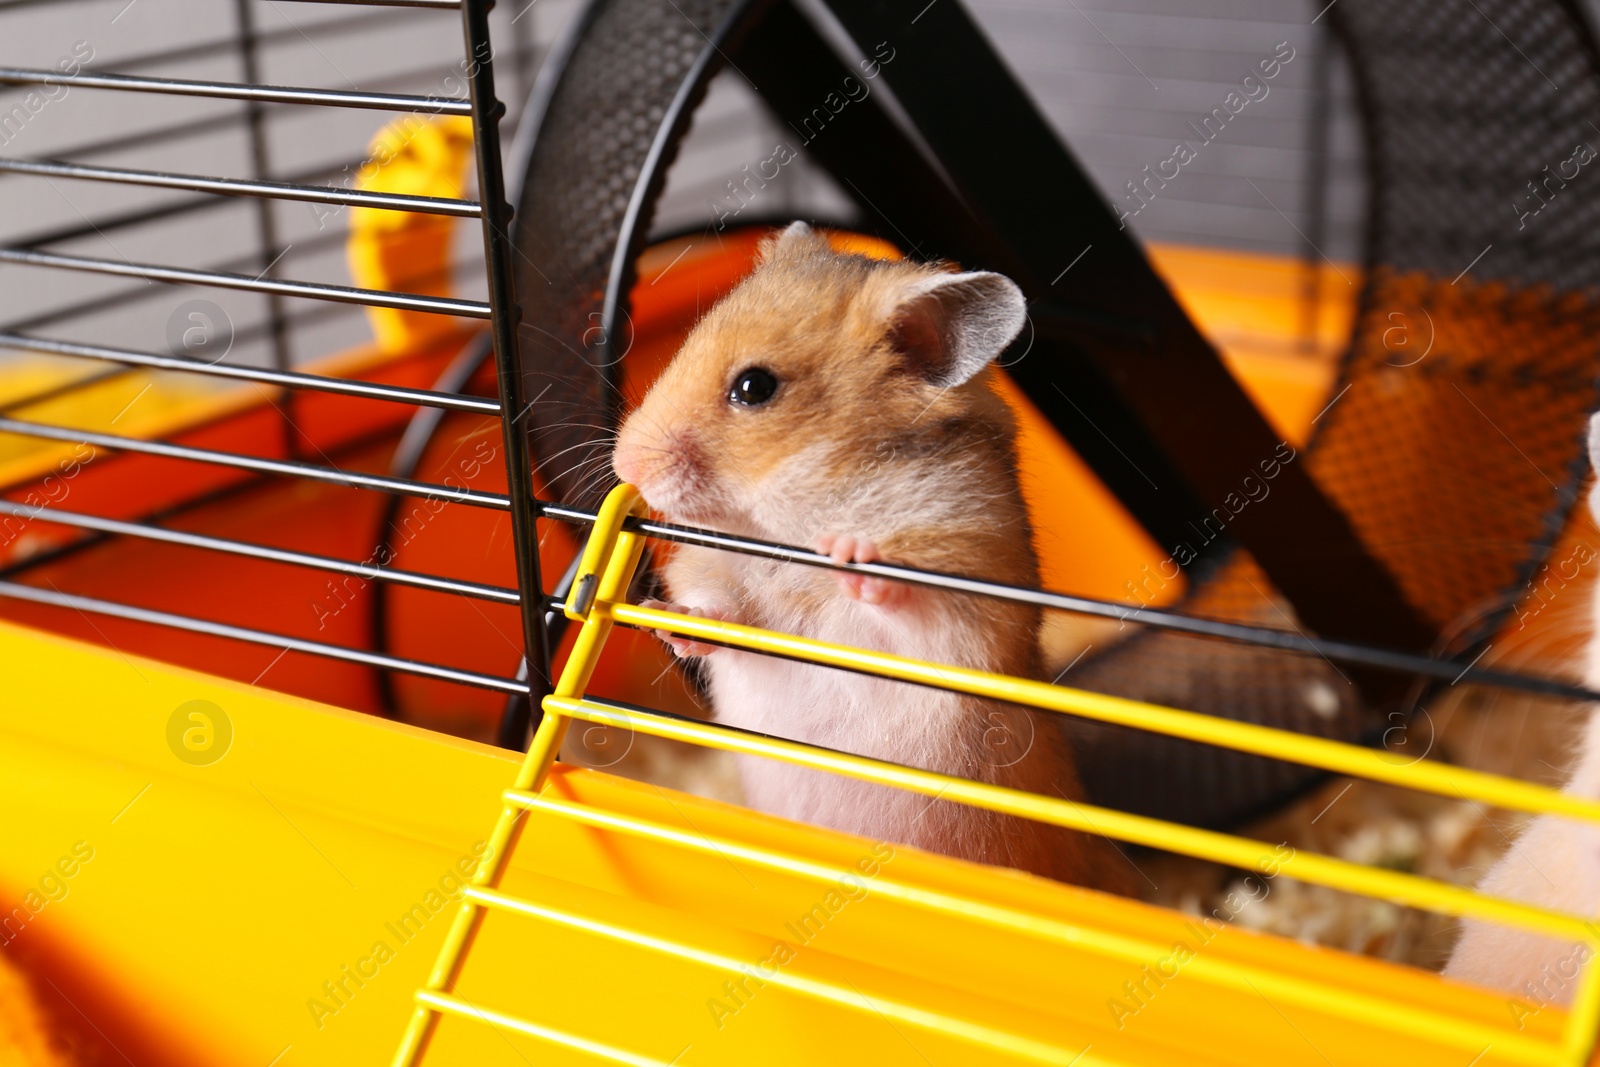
{"x": 286, "y": 631}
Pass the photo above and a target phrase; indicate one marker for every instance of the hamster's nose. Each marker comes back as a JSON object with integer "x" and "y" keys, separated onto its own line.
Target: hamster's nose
{"x": 629, "y": 463}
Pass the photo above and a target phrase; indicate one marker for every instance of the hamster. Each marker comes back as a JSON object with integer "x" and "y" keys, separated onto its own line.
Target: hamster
{"x": 1554, "y": 863}
{"x": 845, "y": 403}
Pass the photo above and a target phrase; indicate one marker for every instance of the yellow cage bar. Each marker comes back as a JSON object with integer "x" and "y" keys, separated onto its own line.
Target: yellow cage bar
{"x": 609, "y": 560}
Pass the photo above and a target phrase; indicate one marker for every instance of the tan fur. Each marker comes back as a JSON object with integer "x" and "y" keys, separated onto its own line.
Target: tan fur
{"x": 859, "y": 441}
{"x": 1554, "y": 863}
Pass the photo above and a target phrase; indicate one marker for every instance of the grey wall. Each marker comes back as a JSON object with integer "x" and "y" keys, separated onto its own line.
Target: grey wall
{"x": 1121, "y": 80}
{"x": 307, "y": 44}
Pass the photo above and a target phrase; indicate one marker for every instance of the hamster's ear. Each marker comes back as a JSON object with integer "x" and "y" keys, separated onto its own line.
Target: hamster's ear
{"x": 951, "y": 325}
{"x": 795, "y": 237}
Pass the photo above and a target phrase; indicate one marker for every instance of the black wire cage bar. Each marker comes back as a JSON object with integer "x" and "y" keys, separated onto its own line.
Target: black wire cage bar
{"x": 314, "y": 194}
{"x": 266, "y": 376}
{"x": 264, "y": 94}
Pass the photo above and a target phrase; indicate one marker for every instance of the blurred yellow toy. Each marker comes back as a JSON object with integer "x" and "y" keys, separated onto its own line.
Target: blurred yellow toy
{"x": 399, "y": 250}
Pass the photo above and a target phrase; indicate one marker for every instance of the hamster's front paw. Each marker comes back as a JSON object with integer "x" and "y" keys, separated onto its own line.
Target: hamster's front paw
{"x": 685, "y": 647}
{"x": 880, "y": 592}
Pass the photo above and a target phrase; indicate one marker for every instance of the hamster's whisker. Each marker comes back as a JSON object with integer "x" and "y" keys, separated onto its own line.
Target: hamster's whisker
{"x": 573, "y": 448}
{"x": 546, "y": 430}
{"x": 597, "y": 426}
{"x": 595, "y": 482}
{"x": 577, "y": 470}
{"x": 586, "y": 466}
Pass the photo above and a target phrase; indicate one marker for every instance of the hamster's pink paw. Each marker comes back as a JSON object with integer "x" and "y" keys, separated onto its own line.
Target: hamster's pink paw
{"x": 684, "y": 647}
{"x": 880, "y": 592}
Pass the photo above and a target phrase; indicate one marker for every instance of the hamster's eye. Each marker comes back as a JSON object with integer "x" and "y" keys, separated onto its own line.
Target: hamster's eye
{"x": 753, "y": 386}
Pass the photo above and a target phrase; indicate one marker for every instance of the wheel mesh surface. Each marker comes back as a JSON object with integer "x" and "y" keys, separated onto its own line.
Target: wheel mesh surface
{"x": 1454, "y": 439}
{"x": 593, "y": 143}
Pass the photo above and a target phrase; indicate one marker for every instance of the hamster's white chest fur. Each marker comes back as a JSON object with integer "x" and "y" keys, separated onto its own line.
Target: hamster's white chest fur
{"x": 868, "y": 716}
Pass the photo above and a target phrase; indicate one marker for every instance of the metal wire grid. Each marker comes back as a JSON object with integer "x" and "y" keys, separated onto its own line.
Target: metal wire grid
{"x": 273, "y": 336}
